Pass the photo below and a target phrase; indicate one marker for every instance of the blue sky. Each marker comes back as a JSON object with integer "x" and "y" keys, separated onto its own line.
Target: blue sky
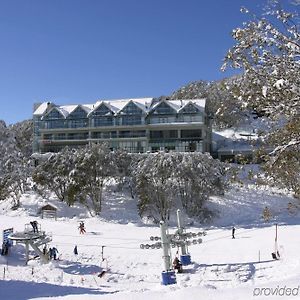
{"x": 72, "y": 51}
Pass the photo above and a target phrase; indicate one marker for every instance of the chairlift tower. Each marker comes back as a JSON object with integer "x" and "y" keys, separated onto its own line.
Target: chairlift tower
{"x": 185, "y": 257}
{"x": 166, "y": 241}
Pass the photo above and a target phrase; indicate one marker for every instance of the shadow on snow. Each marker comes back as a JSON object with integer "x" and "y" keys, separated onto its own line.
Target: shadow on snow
{"x": 21, "y": 290}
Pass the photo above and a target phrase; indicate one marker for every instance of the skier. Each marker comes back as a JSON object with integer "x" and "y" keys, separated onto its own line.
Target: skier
{"x": 233, "y": 232}
{"x": 54, "y": 252}
{"x": 177, "y": 265}
{"x": 5, "y": 248}
{"x": 50, "y": 253}
{"x": 81, "y": 228}
{"x": 45, "y": 250}
{"x": 34, "y": 226}
{"x": 75, "y": 250}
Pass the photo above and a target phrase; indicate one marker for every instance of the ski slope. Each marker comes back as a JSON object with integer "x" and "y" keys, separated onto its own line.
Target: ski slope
{"x": 222, "y": 268}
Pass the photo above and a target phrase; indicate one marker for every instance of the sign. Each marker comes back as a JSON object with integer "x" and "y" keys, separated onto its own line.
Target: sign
{"x": 6, "y": 233}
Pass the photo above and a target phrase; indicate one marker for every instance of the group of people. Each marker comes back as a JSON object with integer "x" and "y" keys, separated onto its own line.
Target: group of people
{"x": 52, "y": 252}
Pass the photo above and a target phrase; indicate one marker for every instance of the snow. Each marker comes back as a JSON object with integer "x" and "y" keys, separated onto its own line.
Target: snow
{"x": 279, "y": 83}
{"x": 41, "y": 109}
{"x": 117, "y": 105}
{"x": 222, "y": 268}
{"x": 264, "y": 90}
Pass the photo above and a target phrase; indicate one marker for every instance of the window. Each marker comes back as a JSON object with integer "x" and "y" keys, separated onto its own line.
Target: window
{"x": 102, "y": 110}
{"x": 131, "y": 109}
{"x": 77, "y": 123}
{"x": 60, "y": 136}
{"x": 47, "y": 136}
{"x": 191, "y": 134}
{"x": 164, "y": 134}
{"x": 78, "y": 113}
{"x": 131, "y": 120}
{"x": 54, "y": 114}
{"x": 191, "y": 147}
{"x": 189, "y": 109}
{"x": 156, "y": 134}
{"x": 77, "y": 118}
{"x": 78, "y": 136}
{"x": 164, "y": 108}
{"x": 52, "y": 124}
{"x": 104, "y": 135}
{"x": 133, "y": 147}
{"x": 132, "y": 134}
{"x": 103, "y": 121}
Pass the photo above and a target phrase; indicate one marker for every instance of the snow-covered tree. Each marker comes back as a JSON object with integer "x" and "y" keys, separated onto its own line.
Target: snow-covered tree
{"x": 23, "y": 133}
{"x": 15, "y": 168}
{"x": 197, "y": 177}
{"x": 93, "y": 167}
{"x": 267, "y": 50}
{"x": 155, "y": 189}
{"x": 54, "y": 174}
{"x": 167, "y": 181}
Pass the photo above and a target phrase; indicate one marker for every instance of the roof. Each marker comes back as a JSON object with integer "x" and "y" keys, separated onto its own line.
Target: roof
{"x": 41, "y": 109}
{"x": 178, "y": 105}
{"x": 117, "y": 105}
{"x": 48, "y": 206}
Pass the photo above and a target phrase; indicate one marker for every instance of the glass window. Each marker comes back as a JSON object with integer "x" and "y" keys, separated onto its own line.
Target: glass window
{"x": 78, "y": 136}
{"x": 104, "y": 135}
{"x": 102, "y": 110}
{"x": 131, "y": 134}
{"x": 54, "y": 114}
{"x": 60, "y": 136}
{"x": 47, "y": 136}
{"x": 77, "y": 123}
{"x": 164, "y": 108}
{"x": 158, "y": 134}
{"x": 193, "y": 133}
{"x": 131, "y": 120}
{"x": 131, "y": 109}
{"x": 164, "y": 134}
{"x": 52, "y": 124}
{"x": 190, "y": 108}
{"x": 103, "y": 121}
{"x": 78, "y": 113}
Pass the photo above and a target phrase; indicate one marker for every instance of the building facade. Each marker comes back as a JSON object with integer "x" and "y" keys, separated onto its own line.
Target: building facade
{"x": 135, "y": 125}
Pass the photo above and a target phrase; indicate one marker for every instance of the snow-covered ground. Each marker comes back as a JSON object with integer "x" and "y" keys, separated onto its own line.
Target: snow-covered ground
{"x": 222, "y": 268}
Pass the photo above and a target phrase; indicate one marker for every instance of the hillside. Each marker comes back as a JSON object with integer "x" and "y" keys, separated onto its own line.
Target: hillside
{"x": 222, "y": 268}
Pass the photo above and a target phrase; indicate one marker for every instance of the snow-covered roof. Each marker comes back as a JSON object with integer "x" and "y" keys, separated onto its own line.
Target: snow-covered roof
{"x": 178, "y": 105}
{"x": 68, "y": 109}
{"x": 118, "y": 104}
{"x": 41, "y": 109}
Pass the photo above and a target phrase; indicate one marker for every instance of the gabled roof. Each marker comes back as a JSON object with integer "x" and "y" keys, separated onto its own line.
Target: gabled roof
{"x": 99, "y": 103}
{"x": 198, "y": 103}
{"x": 63, "y": 112}
{"x": 69, "y": 109}
{"x": 178, "y": 105}
{"x": 41, "y": 109}
{"x": 138, "y": 104}
{"x": 116, "y": 106}
{"x": 168, "y": 102}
